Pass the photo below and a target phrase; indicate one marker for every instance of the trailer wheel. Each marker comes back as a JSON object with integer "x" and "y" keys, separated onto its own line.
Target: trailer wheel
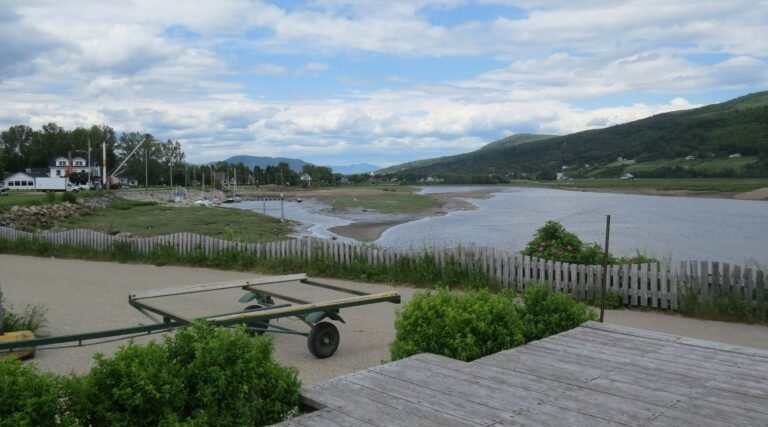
{"x": 323, "y": 340}
{"x": 257, "y": 327}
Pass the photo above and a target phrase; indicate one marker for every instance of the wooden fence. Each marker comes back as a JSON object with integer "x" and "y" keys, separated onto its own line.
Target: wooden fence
{"x": 642, "y": 285}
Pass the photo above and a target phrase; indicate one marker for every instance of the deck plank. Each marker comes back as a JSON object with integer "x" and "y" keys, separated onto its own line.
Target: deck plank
{"x": 591, "y": 376}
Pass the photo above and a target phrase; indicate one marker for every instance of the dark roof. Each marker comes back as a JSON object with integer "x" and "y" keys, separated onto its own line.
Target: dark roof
{"x": 53, "y": 161}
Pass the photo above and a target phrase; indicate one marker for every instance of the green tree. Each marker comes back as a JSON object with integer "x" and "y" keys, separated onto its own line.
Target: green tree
{"x": 16, "y": 142}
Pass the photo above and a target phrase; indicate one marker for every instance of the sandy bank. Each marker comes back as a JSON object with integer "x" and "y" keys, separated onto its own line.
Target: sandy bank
{"x": 365, "y": 231}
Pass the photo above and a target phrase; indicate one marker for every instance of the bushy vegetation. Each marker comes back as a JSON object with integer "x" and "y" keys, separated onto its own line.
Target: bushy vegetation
{"x": 553, "y": 241}
{"x": 548, "y": 313}
{"x": 31, "y": 318}
{"x": 467, "y": 326}
{"x": 27, "y": 397}
{"x": 203, "y": 375}
{"x": 461, "y": 326}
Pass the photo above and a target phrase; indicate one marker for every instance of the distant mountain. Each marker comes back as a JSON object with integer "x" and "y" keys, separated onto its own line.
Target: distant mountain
{"x": 263, "y": 162}
{"x": 711, "y": 132}
{"x": 355, "y": 168}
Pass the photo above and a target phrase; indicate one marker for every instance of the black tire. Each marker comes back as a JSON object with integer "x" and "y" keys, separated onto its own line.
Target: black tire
{"x": 257, "y": 327}
{"x": 323, "y": 340}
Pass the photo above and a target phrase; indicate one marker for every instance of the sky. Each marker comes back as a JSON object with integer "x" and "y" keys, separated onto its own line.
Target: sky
{"x": 337, "y": 82}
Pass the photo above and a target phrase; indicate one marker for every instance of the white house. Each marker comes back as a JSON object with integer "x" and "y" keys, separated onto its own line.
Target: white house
{"x": 61, "y": 167}
{"x": 735, "y": 156}
{"x": 22, "y": 181}
{"x": 627, "y": 177}
{"x": 690, "y": 157}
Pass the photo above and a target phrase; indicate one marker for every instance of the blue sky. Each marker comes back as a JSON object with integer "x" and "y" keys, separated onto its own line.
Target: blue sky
{"x": 339, "y": 82}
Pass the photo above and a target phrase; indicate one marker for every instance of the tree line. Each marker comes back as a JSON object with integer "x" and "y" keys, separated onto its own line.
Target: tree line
{"x": 149, "y": 160}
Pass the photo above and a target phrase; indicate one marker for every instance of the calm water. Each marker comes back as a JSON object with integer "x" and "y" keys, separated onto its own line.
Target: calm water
{"x": 679, "y": 228}
{"x": 665, "y": 227}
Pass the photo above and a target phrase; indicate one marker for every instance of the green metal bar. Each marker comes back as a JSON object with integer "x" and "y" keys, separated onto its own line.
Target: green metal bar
{"x": 255, "y": 309}
{"x": 334, "y": 288}
{"x": 306, "y": 309}
{"x": 165, "y": 313}
{"x": 276, "y": 295}
{"x": 91, "y": 335}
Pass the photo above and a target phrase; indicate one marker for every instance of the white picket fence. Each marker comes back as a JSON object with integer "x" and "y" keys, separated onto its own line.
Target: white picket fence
{"x": 642, "y": 285}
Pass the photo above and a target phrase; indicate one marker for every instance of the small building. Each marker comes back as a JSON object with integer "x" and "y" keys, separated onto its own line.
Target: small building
{"x": 627, "y": 177}
{"x": 561, "y": 176}
{"x": 21, "y": 181}
{"x": 690, "y": 157}
{"x": 735, "y": 156}
{"x": 61, "y": 167}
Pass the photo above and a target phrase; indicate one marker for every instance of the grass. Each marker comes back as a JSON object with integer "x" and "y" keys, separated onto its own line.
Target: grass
{"x": 419, "y": 270}
{"x": 390, "y": 200}
{"x": 149, "y": 219}
{"x": 19, "y": 198}
{"x": 715, "y": 185}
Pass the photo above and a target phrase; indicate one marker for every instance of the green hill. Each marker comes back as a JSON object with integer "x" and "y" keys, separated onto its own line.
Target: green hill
{"x": 711, "y": 132}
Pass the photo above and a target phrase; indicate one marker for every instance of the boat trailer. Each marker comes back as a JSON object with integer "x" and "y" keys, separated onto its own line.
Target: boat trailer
{"x": 322, "y": 339}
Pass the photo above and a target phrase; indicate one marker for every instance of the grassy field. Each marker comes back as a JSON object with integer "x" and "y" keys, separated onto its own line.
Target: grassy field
{"x": 396, "y": 199}
{"x": 145, "y": 219}
{"x": 715, "y": 185}
{"x": 24, "y": 198}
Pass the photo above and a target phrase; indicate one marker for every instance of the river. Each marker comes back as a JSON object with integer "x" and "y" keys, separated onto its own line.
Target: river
{"x": 676, "y": 228}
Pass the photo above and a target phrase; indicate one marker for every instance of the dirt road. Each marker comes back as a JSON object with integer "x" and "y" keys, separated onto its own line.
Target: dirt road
{"x": 83, "y": 296}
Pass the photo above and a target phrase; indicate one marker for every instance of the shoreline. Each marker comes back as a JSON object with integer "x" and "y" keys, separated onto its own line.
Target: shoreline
{"x": 370, "y": 231}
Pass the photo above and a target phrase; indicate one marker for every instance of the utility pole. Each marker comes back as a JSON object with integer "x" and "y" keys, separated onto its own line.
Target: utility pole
{"x": 146, "y": 166}
{"x": 90, "y": 166}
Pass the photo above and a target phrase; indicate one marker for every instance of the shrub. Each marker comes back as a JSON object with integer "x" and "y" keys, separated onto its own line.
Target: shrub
{"x": 463, "y": 326}
{"x": 32, "y": 318}
{"x": 68, "y": 197}
{"x": 50, "y": 197}
{"x": 203, "y": 375}
{"x": 29, "y": 398}
{"x": 553, "y": 241}
{"x": 547, "y": 313}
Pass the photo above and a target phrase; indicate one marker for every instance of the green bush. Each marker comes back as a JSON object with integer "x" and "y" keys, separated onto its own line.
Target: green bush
{"x": 68, "y": 197}
{"x": 553, "y": 241}
{"x": 203, "y": 375}
{"x": 50, "y": 197}
{"x": 27, "y": 397}
{"x": 463, "y": 326}
{"x": 32, "y": 317}
{"x": 547, "y": 313}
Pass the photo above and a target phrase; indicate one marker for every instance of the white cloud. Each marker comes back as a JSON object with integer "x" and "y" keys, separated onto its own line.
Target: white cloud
{"x": 175, "y": 68}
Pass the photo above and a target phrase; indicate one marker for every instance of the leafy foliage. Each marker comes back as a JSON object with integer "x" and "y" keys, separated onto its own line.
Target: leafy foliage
{"x": 203, "y": 375}
{"x": 467, "y": 326}
{"x": 553, "y": 241}
{"x": 29, "y": 398}
{"x": 32, "y": 317}
{"x": 461, "y": 326}
{"x": 547, "y": 313}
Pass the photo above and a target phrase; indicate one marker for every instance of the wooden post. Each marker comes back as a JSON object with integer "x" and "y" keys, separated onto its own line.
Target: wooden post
{"x": 605, "y": 265}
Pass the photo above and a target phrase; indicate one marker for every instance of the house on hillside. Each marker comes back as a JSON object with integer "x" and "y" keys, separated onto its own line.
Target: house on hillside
{"x": 690, "y": 157}
{"x": 23, "y": 181}
{"x": 735, "y": 156}
{"x": 61, "y": 167}
{"x": 627, "y": 177}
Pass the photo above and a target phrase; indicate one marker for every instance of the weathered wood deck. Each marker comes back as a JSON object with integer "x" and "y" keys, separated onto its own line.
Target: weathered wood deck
{"x": 594, "y": 375}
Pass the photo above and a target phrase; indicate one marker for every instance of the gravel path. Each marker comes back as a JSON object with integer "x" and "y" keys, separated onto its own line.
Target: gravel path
{"x": 83, "y": 296}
